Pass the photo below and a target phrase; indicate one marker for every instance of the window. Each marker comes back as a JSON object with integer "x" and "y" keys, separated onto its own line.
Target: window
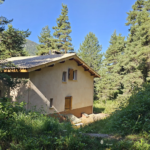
{"x": 51, "y": 102}
{"x": 68, "y": 103}
{"x": 64, "y": 77}
{"x": 72, "y": 74}
{"x": 75, "y": 75}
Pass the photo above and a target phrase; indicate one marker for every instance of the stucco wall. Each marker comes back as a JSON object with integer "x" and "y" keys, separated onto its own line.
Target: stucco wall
{"x": 47, "y": 83}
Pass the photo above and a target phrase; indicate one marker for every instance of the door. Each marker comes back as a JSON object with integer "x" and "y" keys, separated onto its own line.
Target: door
{"x": 68, "y": 103}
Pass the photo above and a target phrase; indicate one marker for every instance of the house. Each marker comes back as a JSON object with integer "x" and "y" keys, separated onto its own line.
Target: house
{"x": 58, "y": 83}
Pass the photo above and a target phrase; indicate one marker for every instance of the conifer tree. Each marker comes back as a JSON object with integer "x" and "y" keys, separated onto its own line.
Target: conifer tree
{"x": 137, "y": 54}
{"x": 6, "y": 79}
{"x": 12, "y": 42}
{"x": 110, "y": 84}
{"x": 46, "y": 42}
{"x": 3, "y": 20}
{"x": 90, "y": 51}
{"x": 62, "y": 32}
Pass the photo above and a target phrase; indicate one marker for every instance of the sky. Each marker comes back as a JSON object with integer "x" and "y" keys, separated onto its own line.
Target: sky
{"x": 101, "y": 17}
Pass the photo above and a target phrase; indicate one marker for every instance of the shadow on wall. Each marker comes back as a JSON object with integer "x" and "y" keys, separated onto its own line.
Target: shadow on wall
{"x": 33, "y": 97}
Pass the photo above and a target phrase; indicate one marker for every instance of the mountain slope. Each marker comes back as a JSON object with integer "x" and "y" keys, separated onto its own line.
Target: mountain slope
{"x": 30, "y": 47}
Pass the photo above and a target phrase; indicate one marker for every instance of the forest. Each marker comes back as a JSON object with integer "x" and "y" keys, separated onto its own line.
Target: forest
{"x": 122, "y": 91}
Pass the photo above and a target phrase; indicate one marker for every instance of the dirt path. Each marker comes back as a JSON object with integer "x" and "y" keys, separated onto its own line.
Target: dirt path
{"x": 99, "y": 135}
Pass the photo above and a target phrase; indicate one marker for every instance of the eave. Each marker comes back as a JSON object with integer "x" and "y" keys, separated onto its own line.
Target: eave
{"x": 52, "y": 64}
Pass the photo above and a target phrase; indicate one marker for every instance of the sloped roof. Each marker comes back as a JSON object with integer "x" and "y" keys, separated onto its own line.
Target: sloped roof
{"x": 32, "y": 63}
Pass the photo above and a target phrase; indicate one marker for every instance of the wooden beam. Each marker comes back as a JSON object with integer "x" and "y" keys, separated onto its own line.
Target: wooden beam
{"x": 38, "y": 69}
{"x": 62, "y": 61}
{"x": 92, "y": 74}
{"x": 71, "y": 59}
{"x": 15, "y": 70}
{"x": 80, "y": 64}
{"x": 85, "y": 69}
{"x": 51, "y": 65}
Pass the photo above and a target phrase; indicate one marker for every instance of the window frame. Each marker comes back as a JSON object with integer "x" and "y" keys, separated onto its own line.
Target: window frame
{"x": 75, "y": 75}
{"x": 70, "y": 102}
{"x": 64, "y": 76}
{"x": 51, "y": 103}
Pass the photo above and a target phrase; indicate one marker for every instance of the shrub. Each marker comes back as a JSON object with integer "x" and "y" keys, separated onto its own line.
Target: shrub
{"x": 24, "y": 130}
{"x": 135, "y": 116}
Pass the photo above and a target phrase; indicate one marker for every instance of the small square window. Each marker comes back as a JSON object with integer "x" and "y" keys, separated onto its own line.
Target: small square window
{"x": 51, "y": 102}
{"x": 75, "y": 75}
{"x": 64, "y": 77}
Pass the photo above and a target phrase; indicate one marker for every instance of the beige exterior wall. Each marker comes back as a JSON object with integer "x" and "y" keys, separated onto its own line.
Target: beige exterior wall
{"x": 47, "y": 83}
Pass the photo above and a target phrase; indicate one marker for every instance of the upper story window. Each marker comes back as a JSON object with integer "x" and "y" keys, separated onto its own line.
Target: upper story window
{"x": 72, "y": 74}
{"x": 75, "y": 75}
{"x": 64, "y": 76}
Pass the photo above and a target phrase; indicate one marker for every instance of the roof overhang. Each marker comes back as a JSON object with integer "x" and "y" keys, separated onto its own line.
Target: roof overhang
{"x": 75, "y": 58}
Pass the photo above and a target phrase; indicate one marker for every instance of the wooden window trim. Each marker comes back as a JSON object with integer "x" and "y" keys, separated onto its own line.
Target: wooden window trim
{"x": 70, "y": 74}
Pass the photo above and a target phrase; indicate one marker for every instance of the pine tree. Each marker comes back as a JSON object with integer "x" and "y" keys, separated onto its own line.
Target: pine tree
{"x": 6, "y": 79}
{"x": 137, "y": 54}
{"x": 46, "y": 42}
{"x": 90, "y": 51}
{"x": 12, "y": 42}
{"x": 1, "y": 1}
{"x": 62, "y": 32}
{"x": 110, "y": 84}
{"x": 3, "y": 20}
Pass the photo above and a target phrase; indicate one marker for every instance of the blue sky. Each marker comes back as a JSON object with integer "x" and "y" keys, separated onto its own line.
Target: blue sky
{"x": 101, "y": 17}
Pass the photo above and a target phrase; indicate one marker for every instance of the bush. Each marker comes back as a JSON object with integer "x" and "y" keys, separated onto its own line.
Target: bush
{"x": 24, "y": 130}
{"x": 135, "y": 117}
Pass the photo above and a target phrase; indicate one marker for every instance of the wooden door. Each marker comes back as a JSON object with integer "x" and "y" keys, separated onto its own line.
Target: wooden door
{"x": 68, "y": 103}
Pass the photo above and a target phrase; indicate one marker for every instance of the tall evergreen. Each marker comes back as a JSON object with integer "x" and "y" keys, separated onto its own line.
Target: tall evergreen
{"x": 5, "y": 40}
{"x": 110, "y": 83}
{"x": 136, "y": 57}
{"x": 12, "y": 41}
{"x": 46, "y": 42}
{"x": 62, "y": 32}
{"x": 90, "y": 51}
{"x": 127, "y": 64}
{"x": 3, "y": 20}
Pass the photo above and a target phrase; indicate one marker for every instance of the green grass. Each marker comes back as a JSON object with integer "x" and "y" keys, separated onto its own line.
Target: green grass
{"x": 101, "y": 126}
{"x": 25, "y": 130}
{"x": 108, "y": 108}
{"x": 130, "y": 122}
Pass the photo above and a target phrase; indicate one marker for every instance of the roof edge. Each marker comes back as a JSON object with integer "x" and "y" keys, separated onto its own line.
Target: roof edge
{"x": 23, "y": 70}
